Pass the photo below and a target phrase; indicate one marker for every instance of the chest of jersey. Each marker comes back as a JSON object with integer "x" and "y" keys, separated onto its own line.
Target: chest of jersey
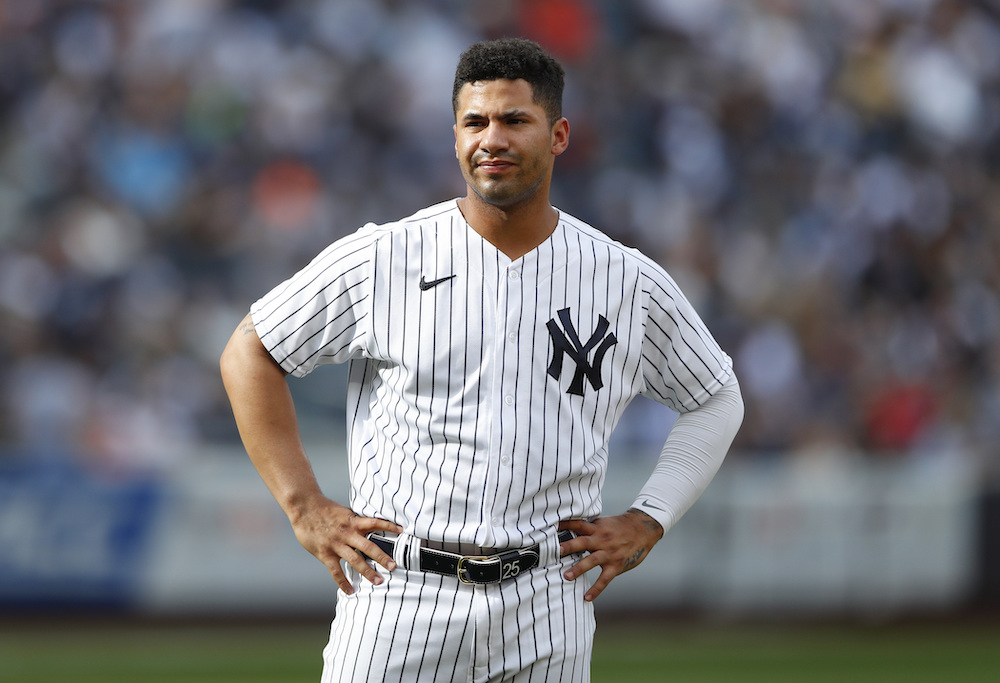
{"x": 454, "y": 319}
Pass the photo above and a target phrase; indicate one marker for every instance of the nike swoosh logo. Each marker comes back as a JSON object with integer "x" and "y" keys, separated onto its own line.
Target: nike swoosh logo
{"x": 427, "y": 284}
{"x": 646, "y": 504}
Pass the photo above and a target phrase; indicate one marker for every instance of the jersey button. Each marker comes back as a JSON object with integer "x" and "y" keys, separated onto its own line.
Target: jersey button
{"x": 513, "y": 274}
{"x": 505, "y": 460}
{"x": 509, "y": 400}
{"x": 512, "y": 337}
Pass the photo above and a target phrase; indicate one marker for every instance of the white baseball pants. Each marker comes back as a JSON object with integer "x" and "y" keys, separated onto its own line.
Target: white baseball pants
{"x": 421, "y": 627}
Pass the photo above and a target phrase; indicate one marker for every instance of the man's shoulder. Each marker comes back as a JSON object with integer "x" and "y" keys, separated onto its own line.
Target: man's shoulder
{"x": 600, "y": 241}
{"x": 429, "y": 215}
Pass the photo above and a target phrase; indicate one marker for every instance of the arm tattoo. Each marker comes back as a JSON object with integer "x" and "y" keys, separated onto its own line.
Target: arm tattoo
{"x": 247, "y": 326}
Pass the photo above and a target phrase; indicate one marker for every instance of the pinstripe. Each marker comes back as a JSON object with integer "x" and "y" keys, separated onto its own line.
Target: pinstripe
{"x": 458, "y": 432}
{"x": 575, "y": 293}
{"x": 403, "y": 495}
{"x": 382, "y": 653}
{"x": 533, "y": 392}
{"x": 436, "y": 594}
{"x": 455, "y": 236}
{"x": 537, "y": 625}
{"x": 453, "y": 617}
{"x": 507, "y": 414}
{"x": 439, "y": 491}
{"x": 390, "y": 404}
{"x": 407, "y": 635}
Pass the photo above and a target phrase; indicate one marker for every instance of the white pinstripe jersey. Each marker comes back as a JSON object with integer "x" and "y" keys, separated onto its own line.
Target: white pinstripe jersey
{"x": 480, "y": 409}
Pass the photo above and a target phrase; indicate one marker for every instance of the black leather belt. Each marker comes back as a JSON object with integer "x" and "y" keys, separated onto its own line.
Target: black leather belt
{"x": 474, "y": 569}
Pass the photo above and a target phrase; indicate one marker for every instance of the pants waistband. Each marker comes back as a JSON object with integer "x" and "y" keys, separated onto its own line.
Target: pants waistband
{"x": 413, "y": 553}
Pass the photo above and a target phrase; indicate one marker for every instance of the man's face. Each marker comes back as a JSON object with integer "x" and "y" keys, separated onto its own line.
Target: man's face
{"x": 504, "y": 143}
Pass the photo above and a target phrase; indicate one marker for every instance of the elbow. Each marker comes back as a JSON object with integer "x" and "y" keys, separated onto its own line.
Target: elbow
{"x": 730, "y": 402}
{"x": 245, "y": 356}
{"x": 739, "y": 404}
{"x": 225, "y": 361}
{"x": 738, "y": 407}
{"x": 229, "y": 362}
{"x": 239, "y": 350}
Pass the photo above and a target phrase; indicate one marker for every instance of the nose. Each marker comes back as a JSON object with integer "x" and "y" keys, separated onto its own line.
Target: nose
{"x": 493, "y": 139}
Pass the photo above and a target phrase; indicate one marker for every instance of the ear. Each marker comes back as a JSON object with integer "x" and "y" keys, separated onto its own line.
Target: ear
{"x": 454, "y": 129}
{"x": 560, "y": 136}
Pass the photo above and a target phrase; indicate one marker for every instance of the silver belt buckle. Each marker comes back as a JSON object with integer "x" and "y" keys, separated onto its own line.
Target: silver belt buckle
{"x": 463, "y": 572}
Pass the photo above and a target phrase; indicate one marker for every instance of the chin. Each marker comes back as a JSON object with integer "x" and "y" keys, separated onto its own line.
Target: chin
{"x": 503, "y": 197}
{"x": 495, "y": 198}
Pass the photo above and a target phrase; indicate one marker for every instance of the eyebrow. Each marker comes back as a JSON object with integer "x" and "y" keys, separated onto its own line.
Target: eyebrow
{"x": 509, "y": 114}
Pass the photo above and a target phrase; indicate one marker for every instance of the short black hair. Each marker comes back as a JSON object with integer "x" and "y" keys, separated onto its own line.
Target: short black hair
{"x": 513, "y": 59}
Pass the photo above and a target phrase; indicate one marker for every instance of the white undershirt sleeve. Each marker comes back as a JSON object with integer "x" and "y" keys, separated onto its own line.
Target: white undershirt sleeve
{"x": 692, "y": 454}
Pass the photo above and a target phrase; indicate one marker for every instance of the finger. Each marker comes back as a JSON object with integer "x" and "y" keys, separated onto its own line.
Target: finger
{"x": 582, "y": 567}
{"x": 366, "y": 525}
{"x": 338, "y": 575}
{"x": 581, "y": 541}
{"x": 598, "y": 586}
{"x": 579, "y": 526}
{"x": 376, "y": 554}
{"x": 577, "y": 544}
{"x": 360, "y": 563}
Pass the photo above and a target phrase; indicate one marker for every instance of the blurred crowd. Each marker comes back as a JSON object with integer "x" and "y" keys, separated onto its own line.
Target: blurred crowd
{"x": 822, "y": 179}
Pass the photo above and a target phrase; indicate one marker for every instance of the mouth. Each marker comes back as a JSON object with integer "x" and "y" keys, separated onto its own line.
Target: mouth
{"x": 494, "y": 166}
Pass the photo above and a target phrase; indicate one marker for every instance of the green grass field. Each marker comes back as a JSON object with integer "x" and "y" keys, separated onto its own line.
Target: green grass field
{"x": 678, "y": 651}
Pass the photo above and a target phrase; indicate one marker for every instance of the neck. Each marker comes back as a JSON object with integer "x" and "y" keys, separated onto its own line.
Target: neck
{"x": 514, "y": 230}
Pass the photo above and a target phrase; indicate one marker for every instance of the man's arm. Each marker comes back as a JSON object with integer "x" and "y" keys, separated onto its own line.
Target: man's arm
{"x": 692, "y": 454}
{"x": 265, "y": 416}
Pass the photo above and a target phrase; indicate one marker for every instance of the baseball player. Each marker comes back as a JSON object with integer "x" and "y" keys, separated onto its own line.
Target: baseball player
{"x": 494, "y": 342}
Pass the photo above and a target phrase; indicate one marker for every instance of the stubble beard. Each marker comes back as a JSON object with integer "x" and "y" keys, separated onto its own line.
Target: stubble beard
{"x": 503, "y": 193}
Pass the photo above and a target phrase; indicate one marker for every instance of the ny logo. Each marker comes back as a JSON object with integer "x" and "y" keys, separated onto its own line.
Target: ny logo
{"x": 568, "y": 342}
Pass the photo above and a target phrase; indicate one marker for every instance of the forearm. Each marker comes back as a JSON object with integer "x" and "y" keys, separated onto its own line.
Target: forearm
{"x": 693, "y": 452}
{"x": 265, "y": 416}
{"x": 691, "y": 456}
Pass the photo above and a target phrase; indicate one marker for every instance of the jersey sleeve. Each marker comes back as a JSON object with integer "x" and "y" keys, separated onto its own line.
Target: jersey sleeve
{"x": 318, "y": 315}
{"x": 682, "y": 364}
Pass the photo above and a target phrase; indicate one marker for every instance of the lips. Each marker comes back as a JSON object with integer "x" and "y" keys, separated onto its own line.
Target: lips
{"x": 494, "y": 165}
